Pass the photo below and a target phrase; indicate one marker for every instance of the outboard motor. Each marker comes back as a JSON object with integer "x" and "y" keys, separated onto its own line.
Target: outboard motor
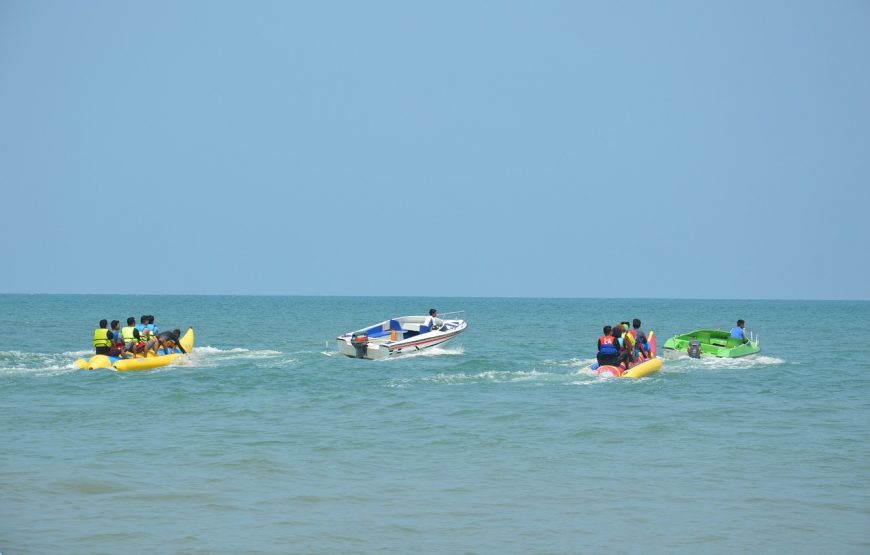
{"x": 694, "y": 348}
{"x": 360, "y": 344}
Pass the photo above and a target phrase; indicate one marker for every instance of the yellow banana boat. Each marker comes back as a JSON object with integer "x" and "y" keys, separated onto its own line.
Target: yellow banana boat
{"x": 140, "y": 362}
{"x": 638, "y": 370}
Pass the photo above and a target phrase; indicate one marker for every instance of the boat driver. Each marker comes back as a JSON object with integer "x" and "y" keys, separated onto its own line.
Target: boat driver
{"x": 430, "y": 321}
{"x": 738, "y": 333}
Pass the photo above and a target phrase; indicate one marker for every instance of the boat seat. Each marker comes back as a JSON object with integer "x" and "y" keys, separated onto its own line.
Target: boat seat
{"x": 385, "y": 329}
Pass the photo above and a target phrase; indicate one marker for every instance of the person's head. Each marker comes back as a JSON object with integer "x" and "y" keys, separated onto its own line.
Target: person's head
{"x": 635, "y": 324}
{"x": 104, "y": 323}
{"x": 625, "y": 325}
{"x": 432, "y": 312}
{"x": 143, "y": 319}
{"x": 131, "y": 321}
{"x": 176, "y": 333}
{"x": 607, "y": 330}
{"x": 617, "y": 331}
{"x": 150, "y": 318}
{"x": 740, "y": 323}
{"x": 115, "y": 324}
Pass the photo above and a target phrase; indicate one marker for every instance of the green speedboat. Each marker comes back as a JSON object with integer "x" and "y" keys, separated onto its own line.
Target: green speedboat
{"x": 713, "y": 343}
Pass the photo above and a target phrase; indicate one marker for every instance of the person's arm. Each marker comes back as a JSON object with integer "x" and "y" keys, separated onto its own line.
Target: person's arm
{"x": 177, "y": 339}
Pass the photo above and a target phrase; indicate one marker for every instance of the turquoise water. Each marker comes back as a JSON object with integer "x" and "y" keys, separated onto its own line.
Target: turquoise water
{"x": 267, "y": 441}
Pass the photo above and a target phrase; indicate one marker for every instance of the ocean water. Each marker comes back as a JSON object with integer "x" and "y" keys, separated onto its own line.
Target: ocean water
{"x": 265, "y": 440}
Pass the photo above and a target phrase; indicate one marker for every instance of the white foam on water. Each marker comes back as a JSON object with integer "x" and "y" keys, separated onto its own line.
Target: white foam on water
{"x": 495, "y": 376}
{"x": 713, "y": 363}
{"x": 18, "y": 363}
{"x": 211, "y": 357}
{"x": 236, "y": 351}
{"x": 430, "y": 352}
{"x": 572, "y": 362}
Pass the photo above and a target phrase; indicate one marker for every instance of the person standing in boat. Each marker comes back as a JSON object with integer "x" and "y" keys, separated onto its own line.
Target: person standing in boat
{"x": 738, "y": 333}
{"x": 103, "y": 338}
{"x": 608, "y": 350}
{"x": 430, "y": 321}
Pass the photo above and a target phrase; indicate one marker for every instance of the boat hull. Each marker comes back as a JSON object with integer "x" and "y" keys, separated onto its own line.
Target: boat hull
{"x": 642, "y": 370}
{"x": 138, "y": 363}
{"x": 386, "y": 347}
{"x": 714, "y": 343}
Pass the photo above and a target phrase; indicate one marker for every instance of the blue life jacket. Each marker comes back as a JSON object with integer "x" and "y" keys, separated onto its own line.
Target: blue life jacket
{"x": 606, "y": 346}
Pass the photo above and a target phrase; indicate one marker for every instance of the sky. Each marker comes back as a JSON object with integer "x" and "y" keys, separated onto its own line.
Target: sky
{"x": 472, "y": 148}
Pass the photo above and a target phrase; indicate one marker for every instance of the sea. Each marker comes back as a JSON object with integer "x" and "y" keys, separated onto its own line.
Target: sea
{"x": 265, "y": 440}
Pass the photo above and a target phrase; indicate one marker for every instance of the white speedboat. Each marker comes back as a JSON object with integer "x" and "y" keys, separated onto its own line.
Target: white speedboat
{"x": 398, "y": 336}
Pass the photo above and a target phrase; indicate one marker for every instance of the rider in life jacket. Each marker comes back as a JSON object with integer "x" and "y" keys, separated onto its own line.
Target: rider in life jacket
{"x": 103, "y": 338}
{"x": 117, "y": 339}
{"x": 609, "y": 350}
{"x": 169, "y": 341}
{"x": 131, "y": 337}
{"x": 638, "y": 338}
{"x": 144, "y": 332}
{"x": 625, "y": 348}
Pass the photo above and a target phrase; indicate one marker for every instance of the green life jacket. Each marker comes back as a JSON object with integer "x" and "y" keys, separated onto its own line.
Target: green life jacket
{"x": 127, "y": 334}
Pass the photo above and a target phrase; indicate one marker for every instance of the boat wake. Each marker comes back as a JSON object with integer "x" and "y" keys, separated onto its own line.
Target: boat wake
{"x": 212, "y": 357}
{"x": 742, "y": 363}
{"x": 493, "y": 376}
{"x": 17, "y": 363}
{"x": 573, "y": 362}
{"x": 430, "y": 352}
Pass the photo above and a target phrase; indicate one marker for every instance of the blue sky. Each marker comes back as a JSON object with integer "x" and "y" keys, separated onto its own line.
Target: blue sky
{"x": 564, "y": 149}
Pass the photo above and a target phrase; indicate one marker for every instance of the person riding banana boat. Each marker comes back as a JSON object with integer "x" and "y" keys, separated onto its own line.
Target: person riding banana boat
{"x": 133, "y": 347}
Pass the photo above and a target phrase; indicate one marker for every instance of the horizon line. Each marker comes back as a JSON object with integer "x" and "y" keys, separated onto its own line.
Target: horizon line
{"x": 444, "y": 296}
